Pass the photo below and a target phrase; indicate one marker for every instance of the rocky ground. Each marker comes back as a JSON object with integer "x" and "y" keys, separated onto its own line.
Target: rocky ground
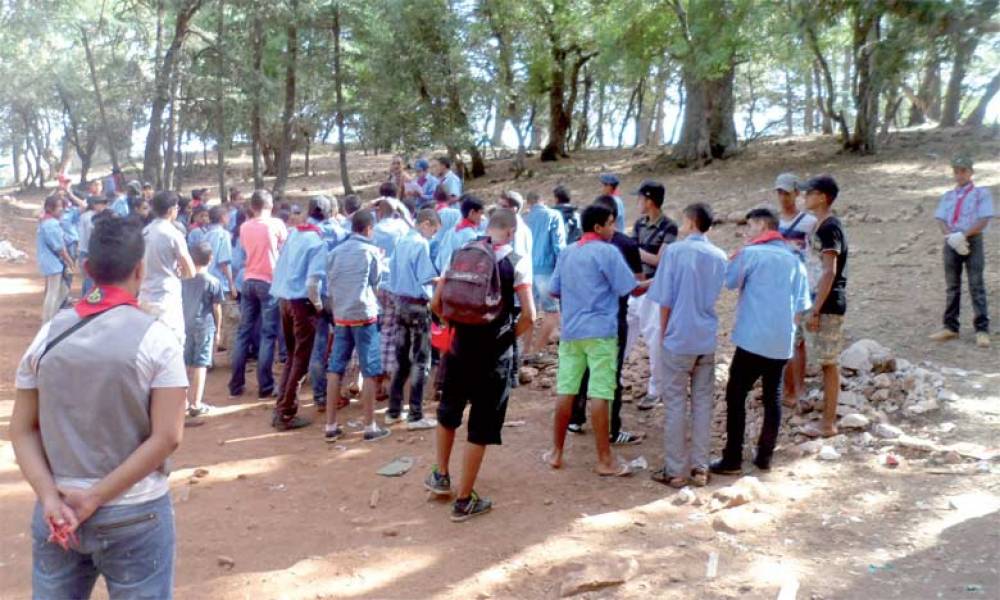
{"x": 904, "y": 503}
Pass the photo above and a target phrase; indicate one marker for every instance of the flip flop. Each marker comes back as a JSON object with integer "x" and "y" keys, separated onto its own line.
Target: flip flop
{"x": 623, "y": 470}
{"x": 812, "y": 431}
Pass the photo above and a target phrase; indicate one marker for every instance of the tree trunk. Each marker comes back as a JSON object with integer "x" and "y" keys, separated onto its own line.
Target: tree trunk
{"x": 305, "y": 166}
{"x": 640, "y": 117}
{"x": 846, "y": 79}
{"x": 291, "y": 60}
{"x": 975, "y": 119}
{"x": 561, "y": 105}
{"x": 338, "y": 79}
{"x": 99, "y": 98}
{"x": 15, "y": 159}
{"x": 220, "y": 114}
{"x": 257, "y": 43}
{"x": 808, "y": 121}
{"x": 173, "y": 141}
{"x": 681, "y": 101}
{"x": 662, "y": 80}
{"x": 929, "y": 92}
{"x": 866, "y": 40}
{"x": 496, "y": 140}
{"x": 151, "y": 167}
{"x": 830, "y": 92}
{"x": 583, "y": 129}
{"x": 628, "y": 115}
{"x": 536, "y": 129}
{"x": 963, "y": 48}
{"x": 789, "y": 104}
{"x": 599, "y": 126}
{"x": 892, "y": 102}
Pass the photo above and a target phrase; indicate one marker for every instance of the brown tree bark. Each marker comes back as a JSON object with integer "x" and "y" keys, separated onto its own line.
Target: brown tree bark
{"x": 257, "y": 43}
{"x": 866, "y": 33}
{"x": 583, "y": 127}
{"x": 99, "y": 98}
{"x": 975, "y": 119}
{"x": 291, "y": 64}
{"x": 338, "y": 79}
{"x": 173, "y": 141}
{"x": 928, "y": 96}
{"x": 962, "y": 47}
{"x": 220, "y": 114}
{"x": 808, "y": 116}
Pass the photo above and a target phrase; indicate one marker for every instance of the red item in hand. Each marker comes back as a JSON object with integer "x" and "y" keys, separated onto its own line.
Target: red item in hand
{"x": 62, "y": 535}
{"x": 441, "y": 337}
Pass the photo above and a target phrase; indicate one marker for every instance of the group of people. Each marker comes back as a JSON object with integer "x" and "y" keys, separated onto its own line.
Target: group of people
{"x": 421, "y": 275}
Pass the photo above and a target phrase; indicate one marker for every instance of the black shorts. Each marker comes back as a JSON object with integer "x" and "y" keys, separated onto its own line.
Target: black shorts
{"x": 485, "y": 385}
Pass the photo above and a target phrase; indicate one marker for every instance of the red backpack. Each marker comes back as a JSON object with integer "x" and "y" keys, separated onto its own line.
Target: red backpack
{"x": 471, "y": 293}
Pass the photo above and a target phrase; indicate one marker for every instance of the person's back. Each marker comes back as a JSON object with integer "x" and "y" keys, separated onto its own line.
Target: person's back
{"x": 199, "y": 294}
{"x": 261, "y": 238}
{"x": 571, "y": 221}
{"x": 388, "y": 233}
{"x": 548, "y": 237}
{"x": 303, "y": 255}
{"x": 353, "y": 271}
{"x": 163, "y": 244}
{"x": 693, "y": 271}
{"x": 221, "y": 241}
{"x": 589, "y": 284}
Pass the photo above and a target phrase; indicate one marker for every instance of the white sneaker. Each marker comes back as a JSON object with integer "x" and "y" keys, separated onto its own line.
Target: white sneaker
{"x": 390, "y": 420}
{"x": 425, "y": 423}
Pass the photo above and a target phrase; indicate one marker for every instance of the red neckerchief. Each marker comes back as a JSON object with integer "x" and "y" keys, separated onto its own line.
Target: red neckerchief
{"x": 465, "y": 224}
{"x": 309, "y": 227}
{"x": 767, "y": 236}
{"x": 589, "y": 237}
{"x": 46, "y": 216}
{"x": 958, "y": 204}
{"x": 104, "y": 298}
{"x": 441, "y": 206}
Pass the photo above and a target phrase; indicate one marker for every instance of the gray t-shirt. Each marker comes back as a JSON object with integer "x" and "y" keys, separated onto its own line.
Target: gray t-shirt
{"x": 165, "y": 245}
{"x": 200, "y": 294}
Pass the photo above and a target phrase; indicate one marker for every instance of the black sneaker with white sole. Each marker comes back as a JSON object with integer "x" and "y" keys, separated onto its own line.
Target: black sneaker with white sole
{"x": 465, "y": 508}
{"x": 438, "y": 484}
{"x": 627, "y": 438}
{"x": 332, "y": 435}
{"x": 373, "y": 435}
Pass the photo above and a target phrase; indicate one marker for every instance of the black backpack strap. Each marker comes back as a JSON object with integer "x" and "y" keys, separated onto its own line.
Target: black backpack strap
{"x": 791, "y": 227}
{"x": 65, "y": 334}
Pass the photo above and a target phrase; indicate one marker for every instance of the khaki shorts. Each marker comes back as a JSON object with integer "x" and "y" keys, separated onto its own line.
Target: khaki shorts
{"x": 825, "y": 344}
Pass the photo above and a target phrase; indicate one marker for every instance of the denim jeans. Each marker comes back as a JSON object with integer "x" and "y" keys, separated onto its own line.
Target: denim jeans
{"x": 256, "y": 302}
{"x": 744, "y": 371}
{"x": 317, "y": 361}
{"x": 413, "y": 358}
{"x": 975, "y": 262}
{"x": 680, "y": 371}
{"x": 131, "y": 545}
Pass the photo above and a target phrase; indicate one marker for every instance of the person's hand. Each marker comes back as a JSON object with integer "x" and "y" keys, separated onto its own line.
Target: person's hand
{"x": 217, "y": 341}
{"x": 234, "y": 294}
{"x": 58, "y": 513}
{"x": 812, "y": 323}
{"x": 71, "y": 267}
{"x": 83, "y": 502}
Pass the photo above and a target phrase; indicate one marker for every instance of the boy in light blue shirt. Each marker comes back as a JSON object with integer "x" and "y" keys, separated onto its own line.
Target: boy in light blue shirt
{"x": 53, "y": 258}
{"x": 218, "y": 237}
{"x": 548, "y": 239}
{"x": 464, "y": 232}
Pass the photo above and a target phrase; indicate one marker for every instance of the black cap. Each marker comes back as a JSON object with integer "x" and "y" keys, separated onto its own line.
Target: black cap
{"x": 653, "y": 190}
{"x": 824, "y": 184}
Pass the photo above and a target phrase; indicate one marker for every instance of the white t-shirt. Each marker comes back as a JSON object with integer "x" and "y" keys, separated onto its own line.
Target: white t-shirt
{"x": 165, "y": 245}
{"x": 160, "y": 362}
{"x": 800, "y": 233}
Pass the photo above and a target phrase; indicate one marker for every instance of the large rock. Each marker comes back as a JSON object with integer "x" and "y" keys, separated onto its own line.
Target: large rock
{"x": 745, "y": 490}
{"x": 868, "y": 356}
{"x": 886, "y": 431}
{"x": 609, "y": 571}
{"x": 739, "y": 520}
{"x": 854, "y": 421}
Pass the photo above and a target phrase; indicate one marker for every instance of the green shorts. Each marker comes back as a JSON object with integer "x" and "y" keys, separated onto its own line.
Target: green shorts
{"x": 576, "y": 356}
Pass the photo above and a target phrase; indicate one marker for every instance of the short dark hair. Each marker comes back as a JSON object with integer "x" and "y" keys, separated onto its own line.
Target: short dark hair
{"x": 216, "y": 213}
{"x": 320, "y": 208}
{"x": 352, "y": 203}
{"x": 762, "y": 213}
{"x": 260, "y": 200}
{"x": 532, "y": 197}
{"x": 444, "y": 160}
{"x": 362, "y": 220}
{"x": 201, "y": 208}
{"x": 164, "y": 201}
{"x": 469, "y": 204}
{"x": 561, "y": 194}
{"x": 201, "y": 254}
{"x": 428, "y": 215}
{"x": 824, "y": 184}
{"x": 387, "y": 189}
{"x": 52, "y": 201}
{"x": 116, "y": 248}
{"x": 607, "y": 202}
{"x": 502, "y": 218}
{"x": 593, "y": 216}
{"x": 701, "y": 214}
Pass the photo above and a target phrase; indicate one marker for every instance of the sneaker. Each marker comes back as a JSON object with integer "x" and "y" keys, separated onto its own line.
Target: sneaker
{"x": 627, "y": 438}
{"x": 438, "y": 484}
{"x": 648, "y": 403}
{"x": 763, "y": 465}
{"x": 575, "y": 428}
{"x": 473, "y": 506}
{"x": 983, "y": 339}
{"x": 943, "y": 336}
{"x": 373, "y": 435}
{"x": 289, "y": 424}
{"x": 424, "y": 423}
{"x": 320, "y": 405}
{"x": 200, "y": 411}
{"x": 391, "y": 420}
{"x": 719, "y": 467}
{"x": 334, "y": 434}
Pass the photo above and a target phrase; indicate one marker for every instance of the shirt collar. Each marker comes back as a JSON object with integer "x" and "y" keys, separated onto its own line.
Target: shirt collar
{"x": 589, "y": 237}
{"x": 104, "y": 298}
{"x": 465, "y": 224}
{"x": 697, "y": 237}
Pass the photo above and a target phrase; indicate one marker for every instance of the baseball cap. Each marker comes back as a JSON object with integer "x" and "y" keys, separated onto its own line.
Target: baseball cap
{"x": 787, "y": 182}
{"x": 609, "y": 179}
{"x": 135, "y": 186}
{"x": 824, "y": 184}
{"x": 962, "y": 161}
{"x": 421, "y": 164}
{"x": 653, "y": 190}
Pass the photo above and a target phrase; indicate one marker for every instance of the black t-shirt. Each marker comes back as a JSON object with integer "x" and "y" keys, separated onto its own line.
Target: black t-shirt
{"x": 829, "y": 236}
{"x": 652, "y": 235}
{"x": 630, "y": 251}
{"x": 571, "y": 219}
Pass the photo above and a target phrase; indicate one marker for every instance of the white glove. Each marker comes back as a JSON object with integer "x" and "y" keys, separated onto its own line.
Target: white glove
{"x": 958, "y": 243}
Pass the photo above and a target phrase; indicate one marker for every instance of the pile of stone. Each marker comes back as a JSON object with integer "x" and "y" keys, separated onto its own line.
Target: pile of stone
{"x": 10, "y": 254}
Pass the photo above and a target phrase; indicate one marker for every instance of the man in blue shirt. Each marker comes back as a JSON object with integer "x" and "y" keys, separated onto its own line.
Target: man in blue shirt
{"x": 393, "y": 223}
{"x": 548, "y": 238}
{"x": 963, "y": 214}
{"x": 216, "y": 233}
{"x": 411, "y": 275}
{"x": 428, "y": 183}
{"x": 297, "y": 279}
{"x": 590, "y": 277}
{"x": 774, "y": 289}
{"x": 447, "y": 180}
{"x": 119, "y": 203}
{"x": 53, "y": 258}
{"x": 464, "y": 232}
{"x": 687, "y": 284}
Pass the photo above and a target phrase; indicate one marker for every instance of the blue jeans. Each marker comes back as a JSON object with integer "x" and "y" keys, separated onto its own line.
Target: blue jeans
{"x": 317, "y": 362}
{"x": 363, "y": 337}
{"x": 256, "y": 302}
{"x": 131, "y": 545}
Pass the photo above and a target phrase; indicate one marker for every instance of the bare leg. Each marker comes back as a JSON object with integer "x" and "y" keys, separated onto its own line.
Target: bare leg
{"x": 196, "y": 376}
{"x": 795, "y": 373}
{"x": 368, "y": 400}
{"x": 600, "y": 422}
{"x": 564, "y": 412}
{"x": 550, "y": 321}
{"x": 471, "y": 462}
{"x": 445, "y": 441}
{"x": 332, "y": 393}
{"x": 831, "y": 394}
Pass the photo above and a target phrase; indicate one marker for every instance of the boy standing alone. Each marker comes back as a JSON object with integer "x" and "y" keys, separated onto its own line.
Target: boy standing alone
{"x": 53, "y": 257}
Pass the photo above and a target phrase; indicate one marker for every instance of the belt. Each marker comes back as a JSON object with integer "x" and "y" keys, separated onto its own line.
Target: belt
{"x": 409, "y": 300}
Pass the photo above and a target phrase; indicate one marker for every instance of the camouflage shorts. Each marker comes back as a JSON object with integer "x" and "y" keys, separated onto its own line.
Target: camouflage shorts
{"x": 825, "y": 344}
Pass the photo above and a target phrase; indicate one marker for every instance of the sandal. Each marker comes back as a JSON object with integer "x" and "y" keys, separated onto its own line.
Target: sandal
{"x": 660, "y": 476}
{"x": 811, "y": 430}
{"x": 623, "y": 470}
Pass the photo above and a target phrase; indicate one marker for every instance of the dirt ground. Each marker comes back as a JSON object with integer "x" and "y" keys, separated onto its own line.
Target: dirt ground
{"x": 296, "y": 515}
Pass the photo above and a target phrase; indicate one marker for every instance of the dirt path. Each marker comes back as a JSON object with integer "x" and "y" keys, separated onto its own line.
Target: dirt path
{"x": 293, "y": 514}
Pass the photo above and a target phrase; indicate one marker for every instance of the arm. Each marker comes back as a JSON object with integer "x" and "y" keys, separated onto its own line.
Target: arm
{"x": 166, "y": 409}
{"x": 649, "y": 258}
{"x": 217, "y": 315}
{"x": 184, "y": 262}
{"x": 526, "y": 319}
{"x": 664, "y": 320}
{"x": 227, "y": 270}
{"x": 735, "y": 272}
{"x": 943, "y": 227}
{"x": 977, "y": 227}
{"x": 436, "y": 300}
{"x": 67, "y": 260}
{"x": 312, "y": 290}
{"x": 823, "y": 288}
{"x": 26, "y": 438}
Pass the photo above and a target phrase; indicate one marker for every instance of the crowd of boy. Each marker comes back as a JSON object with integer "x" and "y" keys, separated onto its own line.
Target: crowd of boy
{"x": 379, "y": 287}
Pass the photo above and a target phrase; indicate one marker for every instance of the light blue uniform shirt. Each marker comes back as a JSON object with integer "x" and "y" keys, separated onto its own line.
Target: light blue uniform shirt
{"x": 70, "y": 222}
{"x": 452, "y": 184}
{"x": 195, "y": 236}
{"x": 427, "y": 189}
{"x": 620, "y": 217}
{"x": 302, "y": 256}
{"x": 231, "y": 226}
{"x": 548, "y": 237}
{"x": 589, "y": 279}
{"x": 333, "y": 232}
{"x": 455, "y": 239}
{"x": 222, "y": 252}
{"x": 353, "y": 270}
{"x": 120, "y": 206}
{"x": 239, "y": 265}
{"x": 50, "y": 243}
{"x": 410, "y": 268}
{"x": 387, "y": 234}
{"x": 978, "y": 204}
{"x": 774, "y": 287}
{"x": 688, "y": 281}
